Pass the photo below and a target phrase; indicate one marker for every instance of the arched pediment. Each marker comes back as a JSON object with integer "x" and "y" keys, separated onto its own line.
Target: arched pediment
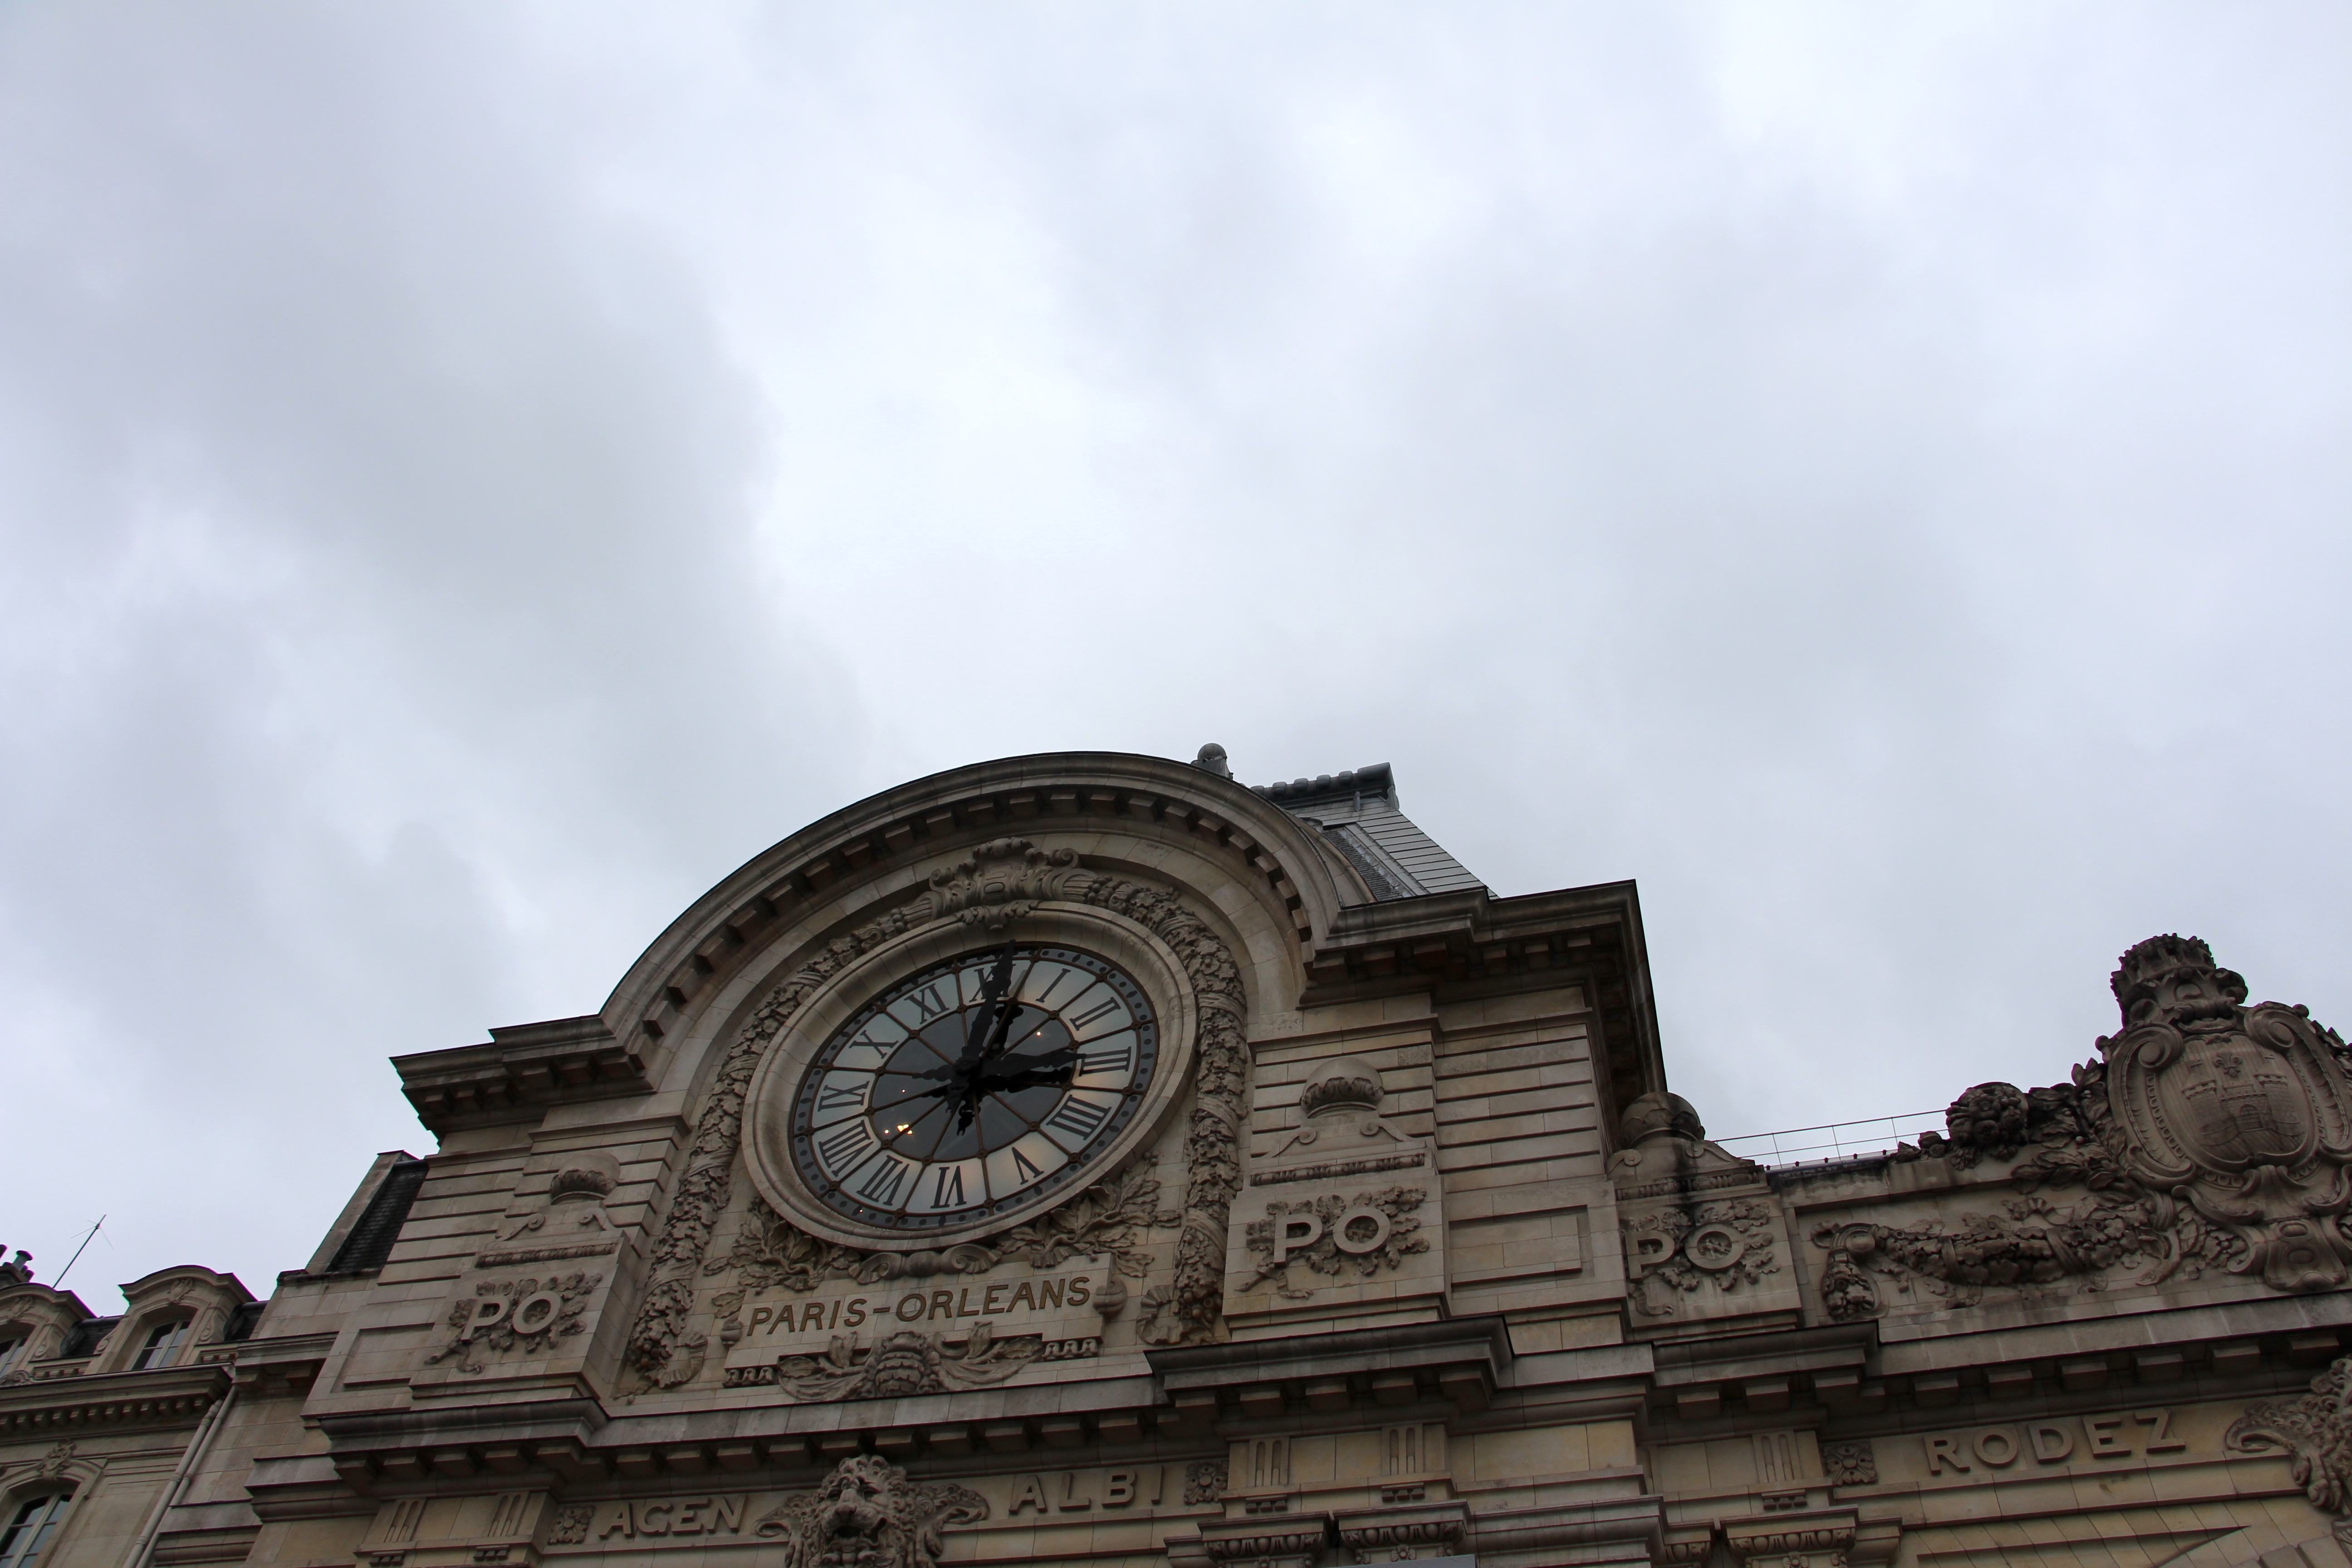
{"x": 1224, "y": 845}
{"x": 59, "y": 1469}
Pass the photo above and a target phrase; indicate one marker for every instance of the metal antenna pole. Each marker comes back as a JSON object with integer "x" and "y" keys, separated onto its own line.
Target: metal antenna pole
{"x": 60, "y": 1282}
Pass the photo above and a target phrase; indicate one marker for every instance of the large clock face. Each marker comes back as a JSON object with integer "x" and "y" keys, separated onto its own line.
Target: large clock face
{"x": 972, "y": 1086}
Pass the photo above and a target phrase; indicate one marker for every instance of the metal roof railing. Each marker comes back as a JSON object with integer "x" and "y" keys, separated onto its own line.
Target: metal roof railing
{"x": 1834, "y": 1140}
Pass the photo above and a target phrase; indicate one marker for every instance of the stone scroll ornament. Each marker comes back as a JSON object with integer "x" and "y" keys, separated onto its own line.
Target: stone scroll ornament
{"x": 2208, "y": 1135}
{"x": 998, "y": 882}
{"x": 905, "y": 1364}
{"x": 868, "y": 1514}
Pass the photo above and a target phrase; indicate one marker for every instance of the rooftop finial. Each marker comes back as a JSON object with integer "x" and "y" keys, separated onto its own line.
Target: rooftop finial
{"x": 1211, "y": 760}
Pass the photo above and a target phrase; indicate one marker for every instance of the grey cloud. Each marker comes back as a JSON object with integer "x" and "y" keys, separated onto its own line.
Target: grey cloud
{"x": 475, "y": 474}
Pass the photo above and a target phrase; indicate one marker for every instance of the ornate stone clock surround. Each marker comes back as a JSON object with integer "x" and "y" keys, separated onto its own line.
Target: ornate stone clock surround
{"x": 1001, "y": 881}
{"x": 1134, "y": 949}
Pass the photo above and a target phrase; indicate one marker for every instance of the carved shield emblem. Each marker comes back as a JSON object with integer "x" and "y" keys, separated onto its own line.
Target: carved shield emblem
{"x": 2242, "y": 1110}
{"x": 2235, "y": 1103}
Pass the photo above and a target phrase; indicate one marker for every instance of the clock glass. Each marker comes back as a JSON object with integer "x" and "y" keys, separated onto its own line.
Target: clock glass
{"x": 973, "y": 1087}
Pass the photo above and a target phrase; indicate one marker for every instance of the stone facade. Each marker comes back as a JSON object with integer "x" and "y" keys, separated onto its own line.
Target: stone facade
{"x": 99, "y": 1416}
{"x": 1408, "y": 1254}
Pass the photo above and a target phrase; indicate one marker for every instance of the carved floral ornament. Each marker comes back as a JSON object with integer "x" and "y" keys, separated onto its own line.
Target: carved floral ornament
{"x": 1000, "y": 881}
{"x": 2207, "y": 1135}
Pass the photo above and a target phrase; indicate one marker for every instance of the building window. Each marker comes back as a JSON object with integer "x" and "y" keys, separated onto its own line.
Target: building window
{"x": 13, "y": 1342}
{"x": 31, "y": 1527}
{"x": 163, "y": 1344}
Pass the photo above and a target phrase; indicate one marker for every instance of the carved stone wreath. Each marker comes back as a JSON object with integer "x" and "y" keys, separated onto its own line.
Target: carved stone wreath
{"x": 1000, "y": 879}
{"x": 1728, "y": 1244}
{"x": 1324, "y": 1255}
{"x": 569, "y": 1297}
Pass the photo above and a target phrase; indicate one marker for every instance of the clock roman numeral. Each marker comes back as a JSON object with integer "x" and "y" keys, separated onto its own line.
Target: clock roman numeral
{"x": 947, "y": 1190}
{"x": 1099, "y": 1010}
{"x": 1020, "y": 1163}
{"x": 929, "y": 1002}
{"x": 881, "y": 1184}
{"x": 833, "y": 1098}
{"x": 1061, "y": 972}
{"x": 1117, "y": 1059}
{"x": 844, "y": 1144}
{"x": 1078, "y": 1118}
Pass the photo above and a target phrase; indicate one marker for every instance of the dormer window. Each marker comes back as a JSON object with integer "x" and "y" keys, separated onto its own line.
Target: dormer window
{"x": 13, "y": 1342}
{"x": 163, "y": 1343}
{"x": 31, "y": 1527}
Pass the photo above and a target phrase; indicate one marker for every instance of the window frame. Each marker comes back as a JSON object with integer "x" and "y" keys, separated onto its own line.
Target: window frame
{"x": 167, "y": 1335}
{"x": 16, "y": 1550}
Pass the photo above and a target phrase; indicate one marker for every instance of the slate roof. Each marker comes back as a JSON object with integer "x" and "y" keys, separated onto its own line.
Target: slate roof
{"x": 1357, "y": 811}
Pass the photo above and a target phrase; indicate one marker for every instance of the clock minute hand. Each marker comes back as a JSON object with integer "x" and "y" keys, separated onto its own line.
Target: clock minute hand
{"x": 989, "y": 1014}
{"x": 984, "y": 1042}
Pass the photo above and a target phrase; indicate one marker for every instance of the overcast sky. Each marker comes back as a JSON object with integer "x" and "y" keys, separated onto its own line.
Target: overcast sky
{"x": 471, "y": 474}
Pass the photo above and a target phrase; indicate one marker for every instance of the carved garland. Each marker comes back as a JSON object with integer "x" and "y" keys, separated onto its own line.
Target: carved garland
{"x": 1003, "y": 879}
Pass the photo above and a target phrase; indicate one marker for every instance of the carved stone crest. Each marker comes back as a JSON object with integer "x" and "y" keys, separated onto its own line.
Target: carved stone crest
{"x": 868, "y": 1514}
{"x": 2205, "y": 1135}
{"x": 2243, "y": 1110}
{"x": 998, "y": 882}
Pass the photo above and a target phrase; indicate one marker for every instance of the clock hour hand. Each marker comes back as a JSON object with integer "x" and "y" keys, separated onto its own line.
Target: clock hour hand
{"x": 1053, "y": 1068}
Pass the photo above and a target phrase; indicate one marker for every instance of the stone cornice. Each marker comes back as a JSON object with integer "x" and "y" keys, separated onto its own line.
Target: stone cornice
{"x": 1468, "y": 942}
{"x": 45, "y": 1300}
{"x": 522, "y": 1070}
{"x": 526, "y": 1067}
{"x": 1460, "y": 1361}
{"x": 177, "y": 1396}
{"x": 285, "y": 1364}
{"x": 946, "y": 815}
